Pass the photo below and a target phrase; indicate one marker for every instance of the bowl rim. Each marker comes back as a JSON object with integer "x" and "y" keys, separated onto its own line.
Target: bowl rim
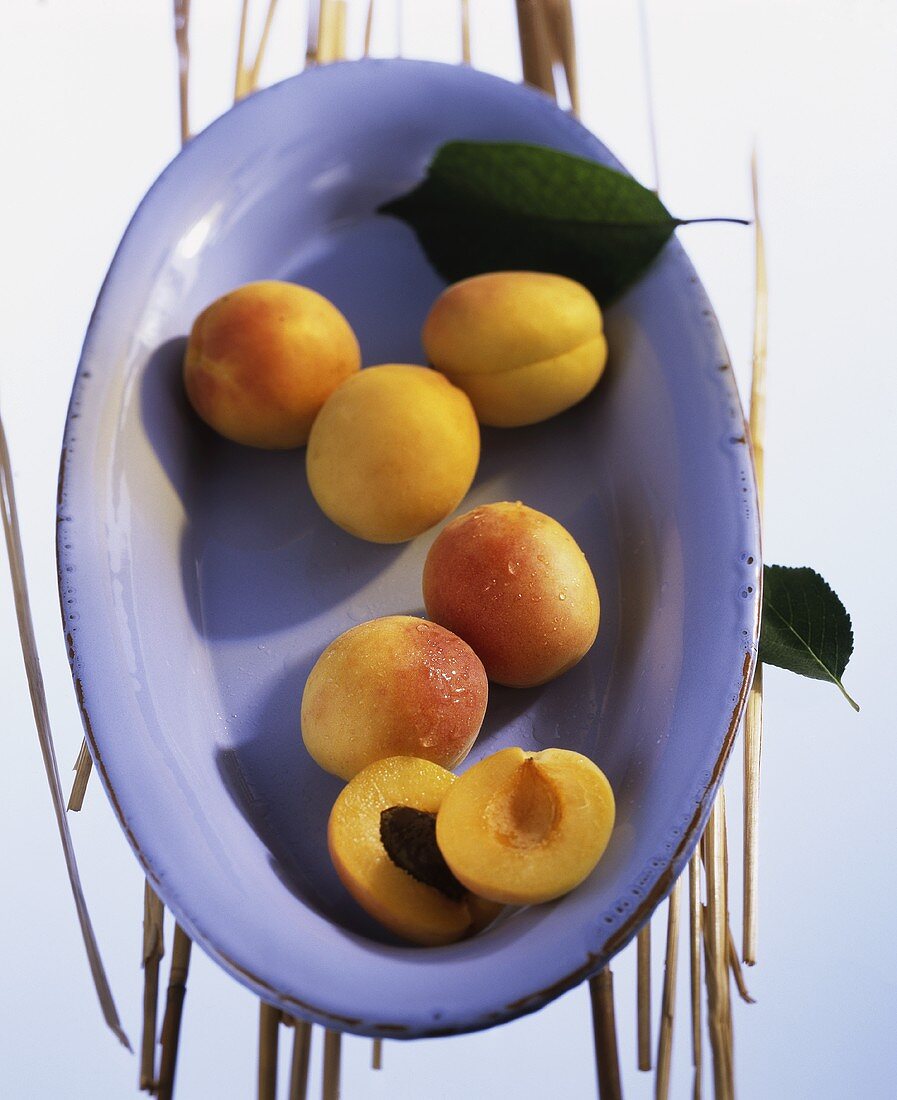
{"x": 690, "y": 833}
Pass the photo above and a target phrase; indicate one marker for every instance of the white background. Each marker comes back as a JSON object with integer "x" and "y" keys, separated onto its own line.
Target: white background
{"x": 89, "y": 117}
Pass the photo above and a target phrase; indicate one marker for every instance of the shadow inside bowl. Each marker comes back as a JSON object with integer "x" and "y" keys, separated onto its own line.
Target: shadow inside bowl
{"x": 248, "y": 513}
{"x": 286, "y": 799}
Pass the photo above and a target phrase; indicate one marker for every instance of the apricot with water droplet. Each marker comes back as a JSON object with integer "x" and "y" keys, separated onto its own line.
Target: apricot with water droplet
{"x": 393, "y": 686}
{"x": 514, "y": 584}
{"x": 522, "y": 828}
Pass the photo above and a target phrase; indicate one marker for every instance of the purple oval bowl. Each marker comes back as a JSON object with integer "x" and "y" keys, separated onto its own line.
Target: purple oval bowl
{"x": 199, "y": 582}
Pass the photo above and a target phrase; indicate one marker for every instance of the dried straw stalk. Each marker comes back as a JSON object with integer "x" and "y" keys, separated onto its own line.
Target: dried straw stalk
{"x": 648, "y": 78}
{"x": 694, "y": 943}
{"x": 643, "y": 996}
{"x": 301, "y": 1057}
{"x": 313, "y": 31}
{"x": 668, "y": 995}
{"x": 182, "y": 39}
{"x": 153, "y": 951}
{"x": 269, "y": 1033}
{"x": 256, "y": 66}
{"x": 737, "y": 972}
{"x": 331, "y": 31}
{"x": 332, "y": 1044}
{"x": 560, "y": 18}
{"x": 536, "y": 45}
{"x": 716, "y": 944}
{"x": 731, "y": 951}
{"x": 38, "y": 694}
{"x": 668, "y": 999}
{"x": 753, "y": 715}
{"x": 368, "y": 29}
{"x": 241, "y": 77}
{"x": 604, "y": 1028}
{"x": 377, "y": 1054}
{"x": 465, "y": 31}
{"x": 174, "y": 1007}
{"x": 83, "y": 768}
{"x": 247, "y": 76}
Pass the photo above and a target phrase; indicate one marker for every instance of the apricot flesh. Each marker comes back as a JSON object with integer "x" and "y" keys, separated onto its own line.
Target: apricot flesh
{"x": 411, "y": 909}
{"x": 523, "y": 345}
{"x": 522, "y": 828}
{"x": 393, "y": 686}
{"x": 514, "y": 584}
{"x": 262, "y": 360}
{"x": 393, "y": 452}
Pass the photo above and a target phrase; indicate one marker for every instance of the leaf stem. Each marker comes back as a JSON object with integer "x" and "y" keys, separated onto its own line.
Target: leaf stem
{"x": 843, "y": 690}
{"x": 699, "y": 221}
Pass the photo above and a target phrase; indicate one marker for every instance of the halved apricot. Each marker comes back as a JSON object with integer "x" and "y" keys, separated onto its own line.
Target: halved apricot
{"x": 522, "y": 828}
{"x": 412, "y": 909}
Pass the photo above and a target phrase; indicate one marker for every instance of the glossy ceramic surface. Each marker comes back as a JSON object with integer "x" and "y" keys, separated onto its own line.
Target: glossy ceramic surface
{"x": 199, "y": 582}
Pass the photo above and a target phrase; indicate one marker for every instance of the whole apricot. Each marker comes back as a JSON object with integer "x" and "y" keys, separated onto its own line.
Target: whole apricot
{"x": 523, "y": 345}
{"x": 522, "y": 828}
{"x": 393, "y": 452}
{"x": 412, "y": 909}
{"x": 396, "y": 686}
{"x": 514, "y": 584}
{"x": 263, "y": 359}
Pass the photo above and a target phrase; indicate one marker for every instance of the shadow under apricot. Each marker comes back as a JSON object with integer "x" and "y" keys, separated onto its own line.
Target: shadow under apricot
{"x": 257, "y": 554}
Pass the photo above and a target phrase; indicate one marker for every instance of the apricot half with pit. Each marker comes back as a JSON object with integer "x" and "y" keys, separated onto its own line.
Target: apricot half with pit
{"x": 522, "y": 828}
{"x": 414, "y": 910}
{"x": 514, "y": 584}
{"x": 393, "y": 686}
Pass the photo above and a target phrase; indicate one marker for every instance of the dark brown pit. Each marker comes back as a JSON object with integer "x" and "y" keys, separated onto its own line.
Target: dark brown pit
{"x": 409, "y": 837}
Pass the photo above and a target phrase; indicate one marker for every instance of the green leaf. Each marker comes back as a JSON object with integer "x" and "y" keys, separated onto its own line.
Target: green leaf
{"x": 805, "y": 627}
{"x": 499, "y": 206}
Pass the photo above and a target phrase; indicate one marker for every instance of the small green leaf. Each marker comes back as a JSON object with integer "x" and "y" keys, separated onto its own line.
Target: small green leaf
{"x": 805, "y": 627}
{"x": 499, "y": 206}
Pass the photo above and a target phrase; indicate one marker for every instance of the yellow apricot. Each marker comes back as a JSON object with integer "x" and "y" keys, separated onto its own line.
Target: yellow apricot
{"x": 393, "y": 452}
{"x": 262, "y": 360}
{"x": 523, "y": 345}
{"x": 411, "y": 909}
{"x": 522, "y": 828}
